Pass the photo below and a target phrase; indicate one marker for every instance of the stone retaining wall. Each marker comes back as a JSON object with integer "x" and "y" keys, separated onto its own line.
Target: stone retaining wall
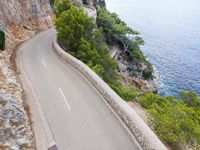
{"x": 143, "y": 134}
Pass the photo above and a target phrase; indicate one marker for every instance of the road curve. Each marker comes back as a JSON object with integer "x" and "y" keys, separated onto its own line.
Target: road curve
{"x": 78, "y": 116}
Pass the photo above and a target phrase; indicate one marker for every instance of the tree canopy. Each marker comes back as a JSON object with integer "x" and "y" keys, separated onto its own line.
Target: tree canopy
{"x": 175, "y": 120}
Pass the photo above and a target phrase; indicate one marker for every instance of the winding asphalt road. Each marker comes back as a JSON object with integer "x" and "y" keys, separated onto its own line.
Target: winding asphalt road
{"x": 78, "y": 117}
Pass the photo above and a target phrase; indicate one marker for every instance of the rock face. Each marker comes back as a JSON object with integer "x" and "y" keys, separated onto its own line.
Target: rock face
{"x": 18, "y": 11}
{"x": 20, "y": 20}
{"x": 15, "y": 131}
{"x": 133, "y": 77}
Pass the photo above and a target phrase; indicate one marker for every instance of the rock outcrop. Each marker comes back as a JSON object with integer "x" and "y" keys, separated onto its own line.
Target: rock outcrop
{"x": 130, "y": 79}
{"x": 20, "y": 20}
{"x": 18, "y": 11}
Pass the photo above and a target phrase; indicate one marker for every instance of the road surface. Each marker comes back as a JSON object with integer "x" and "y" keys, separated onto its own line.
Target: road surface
{"x": 77, "y": 115}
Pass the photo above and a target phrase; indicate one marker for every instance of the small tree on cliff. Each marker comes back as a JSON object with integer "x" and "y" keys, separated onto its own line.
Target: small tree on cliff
{"x": 2, "y": 40}
{"x": 72, "y": 26}
{"x": 61, "y": 6}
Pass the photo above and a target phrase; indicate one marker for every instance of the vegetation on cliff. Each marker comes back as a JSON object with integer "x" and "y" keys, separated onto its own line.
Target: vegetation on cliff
{"x": 175, "y": 120}
{"x": 79, "y": 36}
{"x": 2, "y": 40}
{"x": 118, "y": 33}
{"x": 99, "y": 3}
{"x": 51, "y": 2}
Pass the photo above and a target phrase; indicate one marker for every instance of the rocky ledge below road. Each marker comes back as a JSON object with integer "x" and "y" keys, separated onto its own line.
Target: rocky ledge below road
{"x": 128, "y": 79}
{"x": 15, "y": 122}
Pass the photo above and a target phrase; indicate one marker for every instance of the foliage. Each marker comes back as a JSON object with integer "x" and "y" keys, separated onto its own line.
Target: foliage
{"x": 190, "y": 98}
{"x": 72, "y": 26}
{"x": 175, "y": 120}
{"x": 85, "y": 2}
{"x": 112, "y": 26}
{"x": 117, "y": 32}
{"x": 127, "y": 94}
{"x": 51, "y": 2}
{"x": 2, "y": 40}
{"x": 60, "y": 6}
{"x": 79, "y": 36}
{"x": 147, "y": 72}
{"x": 99, "y": 3}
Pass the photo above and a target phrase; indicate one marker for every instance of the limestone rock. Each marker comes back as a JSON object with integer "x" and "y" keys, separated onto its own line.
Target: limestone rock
{"x": 21, "y": 20}
{"x": 17, "y": 11}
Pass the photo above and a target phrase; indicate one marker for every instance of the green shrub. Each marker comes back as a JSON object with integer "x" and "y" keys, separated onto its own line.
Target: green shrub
{"x": 126, "y": 93}
{"x": 2, "y": 40}
{"x": 85, "y": 2}
{"x": 61, "y": 6}
{"x": 51, "y": 2}
{"x": 137, "y": 54}
{"x": 176, "y": 122}
{"x": 99, "y": 3}
{"x": 147, "y": 73}
{"x": 190, "y": 98}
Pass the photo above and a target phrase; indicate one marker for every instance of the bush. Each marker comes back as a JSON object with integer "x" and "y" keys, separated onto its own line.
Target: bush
{"x": 126, "y": 93}
{"x": 190, "y": 98}
{"x": 2, "y": 40}
{"x": 61, "y": 6}
{"x": 176, "y": 122}
{"x": 51, "y": 2}
{"x": 85, "y": 2}
{"x": 99, "y": 3}
{"x": 147, "y": 73}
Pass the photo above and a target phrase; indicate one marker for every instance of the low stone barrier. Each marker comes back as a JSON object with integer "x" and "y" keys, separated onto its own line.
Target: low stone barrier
{"x": 143, "y": 134}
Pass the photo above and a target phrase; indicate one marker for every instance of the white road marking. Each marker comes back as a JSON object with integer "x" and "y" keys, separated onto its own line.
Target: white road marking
{"x": 43, "y": 62}
{"x": 66, "y": 102}
{"x": 52, "y": 145}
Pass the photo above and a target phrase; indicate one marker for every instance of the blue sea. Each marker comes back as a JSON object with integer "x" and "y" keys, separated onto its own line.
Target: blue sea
{"x": 171, "y": 30}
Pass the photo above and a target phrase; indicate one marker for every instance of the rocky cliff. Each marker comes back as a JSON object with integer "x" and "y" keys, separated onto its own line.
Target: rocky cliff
{"x": 18, "y": 11}
{"x": 20, "y": 20}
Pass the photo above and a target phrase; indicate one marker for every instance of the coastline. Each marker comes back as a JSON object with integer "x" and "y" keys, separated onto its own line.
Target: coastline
{"x": 174, "y": 53}
{"x": 125, "y": 48}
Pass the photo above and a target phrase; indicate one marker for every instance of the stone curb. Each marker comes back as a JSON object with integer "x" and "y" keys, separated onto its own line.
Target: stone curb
{"x": 144, "y": 135}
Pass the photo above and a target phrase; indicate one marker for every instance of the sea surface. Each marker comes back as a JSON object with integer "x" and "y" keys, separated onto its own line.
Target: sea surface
{"x": 171, "y": 30}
